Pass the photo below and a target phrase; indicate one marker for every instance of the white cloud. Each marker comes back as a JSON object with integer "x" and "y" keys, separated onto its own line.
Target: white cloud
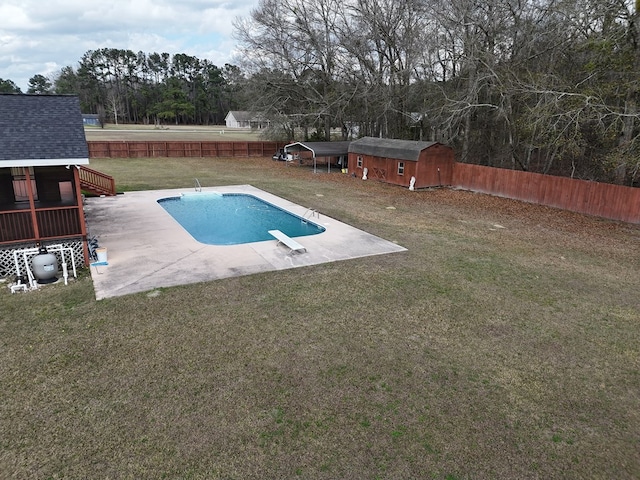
{"x": 42, "y": 37}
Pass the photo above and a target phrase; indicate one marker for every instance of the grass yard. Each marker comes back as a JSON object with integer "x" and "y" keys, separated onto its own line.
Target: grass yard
{"x": 505, "y": 343}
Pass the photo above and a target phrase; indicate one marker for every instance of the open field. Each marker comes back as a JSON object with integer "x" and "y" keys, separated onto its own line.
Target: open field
{"x": 171, "y": 132}
{"x": 505, "y": 343}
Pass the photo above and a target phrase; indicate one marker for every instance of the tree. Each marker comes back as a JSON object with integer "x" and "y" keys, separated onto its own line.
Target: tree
{"x": 298, "y": 39}
{"x": 8, "y": 86}
{"x": 39, "y": 84}
{"x": 582, "y": 115}
{"x": 66, "y": 81}
{"x": 234, "y": 82}
{"x": 387, "y": 41}
{"x": 175, "y": 102}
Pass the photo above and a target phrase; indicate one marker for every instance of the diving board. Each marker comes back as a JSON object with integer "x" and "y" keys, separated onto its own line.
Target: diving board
{"x": 287, "y": 240}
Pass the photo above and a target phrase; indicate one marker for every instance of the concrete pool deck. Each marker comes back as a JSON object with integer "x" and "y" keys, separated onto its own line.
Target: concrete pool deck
{"x": 148, "y": 249}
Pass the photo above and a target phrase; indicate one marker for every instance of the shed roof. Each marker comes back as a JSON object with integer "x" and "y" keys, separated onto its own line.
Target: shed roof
{"x": 39, "y": 130}
{"x": 390, "y": 148}
{"x": 321, "y": 149}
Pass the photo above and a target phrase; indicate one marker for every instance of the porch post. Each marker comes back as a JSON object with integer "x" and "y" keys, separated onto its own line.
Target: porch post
{"x": 32, "y": 204}
{"x": 80, "y": 210}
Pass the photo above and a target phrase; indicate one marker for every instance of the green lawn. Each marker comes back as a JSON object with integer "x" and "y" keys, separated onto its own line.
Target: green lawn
{"x": 503, "y": 344}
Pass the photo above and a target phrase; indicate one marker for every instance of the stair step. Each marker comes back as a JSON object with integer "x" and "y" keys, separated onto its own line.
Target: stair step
{"x": 90, "y": 180}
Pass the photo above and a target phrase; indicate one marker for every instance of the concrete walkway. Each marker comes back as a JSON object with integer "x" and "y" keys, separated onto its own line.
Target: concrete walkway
{"x": 147, "y": 248}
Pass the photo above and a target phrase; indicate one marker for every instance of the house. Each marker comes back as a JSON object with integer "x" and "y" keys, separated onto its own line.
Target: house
{"x": 244, "y": 119}
{"x": 429, "y": 164}
{"x": 91, "y": 120}
{"x": 43, "y": 170}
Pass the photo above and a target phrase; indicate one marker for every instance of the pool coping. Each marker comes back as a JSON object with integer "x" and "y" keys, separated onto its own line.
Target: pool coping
{"x": 148, "y": 249}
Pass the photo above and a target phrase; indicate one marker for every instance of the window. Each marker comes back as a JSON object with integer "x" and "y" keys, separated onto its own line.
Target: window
{"x": 20, "y": 190}
{"x": 400, "y": 168}
{"x": 359, "y": 161}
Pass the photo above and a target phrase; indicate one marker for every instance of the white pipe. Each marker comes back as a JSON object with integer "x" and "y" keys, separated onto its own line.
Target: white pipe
{"x": 73, "y": 264}
{"x": 30, "y": 277}
{"x": 65, "y": 274}
{"x": 32, "y": 280}
{"x": 15, "y": 260}
{"x": 64, "y": 261}
{"x": 34, "y": 251}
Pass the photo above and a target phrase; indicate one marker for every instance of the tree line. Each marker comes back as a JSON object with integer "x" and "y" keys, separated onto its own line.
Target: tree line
{"x": 548, "y": 86}
{"x": 122, "y": 86}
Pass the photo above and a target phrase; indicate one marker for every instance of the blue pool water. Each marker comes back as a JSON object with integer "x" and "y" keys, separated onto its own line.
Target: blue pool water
{"x": 231, "y": 219}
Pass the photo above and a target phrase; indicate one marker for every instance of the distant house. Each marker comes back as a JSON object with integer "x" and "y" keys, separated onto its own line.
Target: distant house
{"x": 398, "y": 161}
{"x": 245, "y": 119}
{"x": 91, "y": 120}
{"x": 42, "y": 151}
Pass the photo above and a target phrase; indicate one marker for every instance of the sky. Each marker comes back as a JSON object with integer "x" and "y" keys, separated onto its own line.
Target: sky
{"x": 43, "y": 36}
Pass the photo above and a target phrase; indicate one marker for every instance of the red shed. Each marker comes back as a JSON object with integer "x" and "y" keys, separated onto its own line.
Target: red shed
{"x": 397, "y": 161}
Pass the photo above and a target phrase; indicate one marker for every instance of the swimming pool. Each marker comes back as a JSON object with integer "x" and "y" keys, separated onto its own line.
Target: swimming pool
{"x": 234, "y": 218}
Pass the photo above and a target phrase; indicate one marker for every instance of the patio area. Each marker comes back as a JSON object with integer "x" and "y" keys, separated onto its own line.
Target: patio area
{"x": 148, "y": 249}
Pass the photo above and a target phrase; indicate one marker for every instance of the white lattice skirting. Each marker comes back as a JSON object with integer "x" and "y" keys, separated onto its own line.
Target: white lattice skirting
{"x": 7, "y": 263}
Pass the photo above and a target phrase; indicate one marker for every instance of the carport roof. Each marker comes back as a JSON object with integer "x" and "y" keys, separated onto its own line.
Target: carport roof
{"x": 320, "y": 149}
{"x": 389, "y": 148}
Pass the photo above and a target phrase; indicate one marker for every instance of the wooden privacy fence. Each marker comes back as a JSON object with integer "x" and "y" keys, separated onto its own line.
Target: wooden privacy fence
{"x": 600, "y": 199}
{"x": 148, "y": 149}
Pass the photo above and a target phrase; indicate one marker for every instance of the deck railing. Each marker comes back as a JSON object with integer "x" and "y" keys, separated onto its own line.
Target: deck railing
{"x": 53, "y": 222}
{"x": 97, "y": 182}
{"x": 16, "y": 225}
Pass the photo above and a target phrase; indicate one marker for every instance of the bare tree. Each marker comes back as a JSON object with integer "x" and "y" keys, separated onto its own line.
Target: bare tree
{"x": 541, "y": 85}
{"x": 296, "y": 38}
{"x": 386, "y": 42}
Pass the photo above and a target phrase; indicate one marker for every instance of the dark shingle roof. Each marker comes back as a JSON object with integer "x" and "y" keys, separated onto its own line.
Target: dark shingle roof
{"x": 389, "y": 148}
{"x": 41, "y": 127}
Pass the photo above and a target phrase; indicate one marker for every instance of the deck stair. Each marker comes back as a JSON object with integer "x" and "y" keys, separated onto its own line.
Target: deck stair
{"x": 96, "y": 182}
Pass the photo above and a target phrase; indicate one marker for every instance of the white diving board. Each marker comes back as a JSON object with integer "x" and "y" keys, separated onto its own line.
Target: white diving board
{"x": 287, "y": 240}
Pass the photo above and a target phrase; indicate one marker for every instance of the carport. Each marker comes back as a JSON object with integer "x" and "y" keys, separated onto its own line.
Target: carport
{"x": 315, "y": 150}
